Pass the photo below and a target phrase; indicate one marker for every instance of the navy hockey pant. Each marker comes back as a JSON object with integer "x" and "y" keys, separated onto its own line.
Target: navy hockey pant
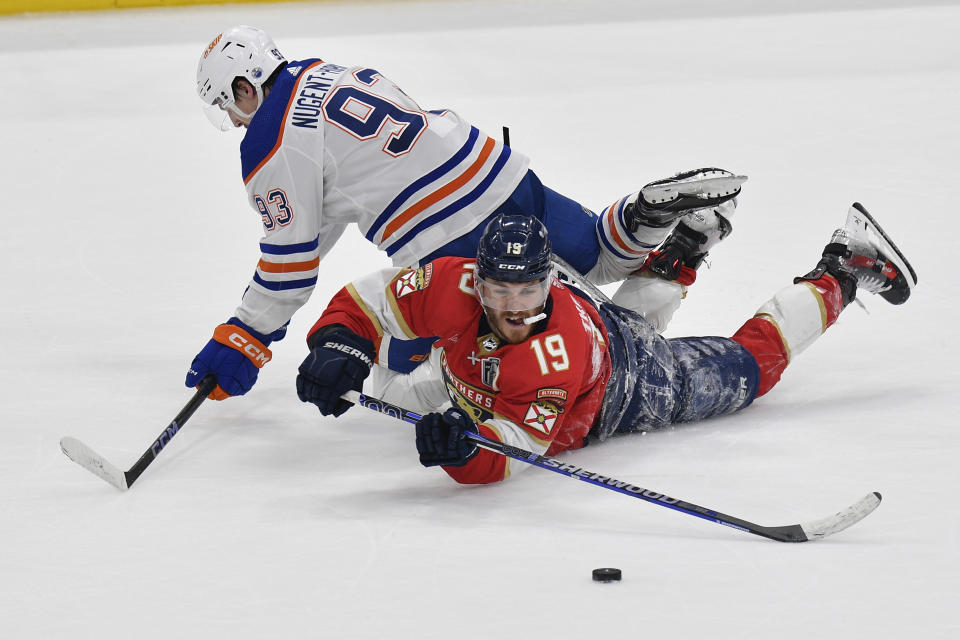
{"x": 657, "y": 381}
{"x": 572, "y": 227}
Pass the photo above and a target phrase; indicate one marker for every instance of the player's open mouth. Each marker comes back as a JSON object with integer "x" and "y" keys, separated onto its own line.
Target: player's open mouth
{"x": 514, "y": 321}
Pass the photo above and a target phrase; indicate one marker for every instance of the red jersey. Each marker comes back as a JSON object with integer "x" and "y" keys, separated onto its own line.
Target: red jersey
{"x": 542, "y": 395}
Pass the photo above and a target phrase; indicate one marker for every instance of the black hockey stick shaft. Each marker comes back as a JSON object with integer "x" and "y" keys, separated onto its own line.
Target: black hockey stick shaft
{"x": 100, "y": 466}
{"x": 789, "y": 533}
{"x": 203, "y": 390}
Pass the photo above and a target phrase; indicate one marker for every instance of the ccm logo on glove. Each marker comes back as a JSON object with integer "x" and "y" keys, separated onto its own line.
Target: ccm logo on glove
{"x": 243, "y": 342}
{"x": 353, "y": 351}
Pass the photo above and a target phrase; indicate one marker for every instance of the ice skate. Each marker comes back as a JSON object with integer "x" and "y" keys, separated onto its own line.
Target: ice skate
{"x": 661, "y": 202}
{"x": 862, "y": 256}
{"x": 656, "y": 289}
{"x": 687, "y": 245}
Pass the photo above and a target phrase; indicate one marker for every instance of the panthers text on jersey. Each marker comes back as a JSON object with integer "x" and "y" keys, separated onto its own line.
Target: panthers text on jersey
{"x": 542, "y": 395}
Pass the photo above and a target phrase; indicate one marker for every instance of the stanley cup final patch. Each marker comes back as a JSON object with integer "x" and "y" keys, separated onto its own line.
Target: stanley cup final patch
{"x": 490, "y": 372}
{"x": 415, "y": 280}
{"x": 541, "y": 417}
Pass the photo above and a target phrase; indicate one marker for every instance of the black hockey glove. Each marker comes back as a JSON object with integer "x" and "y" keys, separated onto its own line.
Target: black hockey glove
{"x": 442, "y": 439}
{"x": 339, "y": 361}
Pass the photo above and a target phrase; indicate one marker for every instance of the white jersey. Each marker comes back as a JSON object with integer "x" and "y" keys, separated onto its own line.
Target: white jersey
{"x": 331, "y": 145}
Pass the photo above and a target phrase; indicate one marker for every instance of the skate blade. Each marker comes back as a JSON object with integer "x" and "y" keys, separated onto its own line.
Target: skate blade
{"x": 861, "y": 222}
{"x": 707, "y": 187}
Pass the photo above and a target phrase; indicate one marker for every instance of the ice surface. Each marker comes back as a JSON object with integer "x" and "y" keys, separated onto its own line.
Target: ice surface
{"x": 128, "y": 238}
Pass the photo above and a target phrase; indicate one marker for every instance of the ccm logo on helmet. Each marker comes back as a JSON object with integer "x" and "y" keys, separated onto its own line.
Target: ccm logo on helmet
{"x": 255, "y": 354}
{"x": 512, "y": 267}
{"x": 212, "y": 45}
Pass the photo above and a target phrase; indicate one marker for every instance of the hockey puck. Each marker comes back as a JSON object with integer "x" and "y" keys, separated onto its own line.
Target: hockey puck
{"x": 607, "y": 574}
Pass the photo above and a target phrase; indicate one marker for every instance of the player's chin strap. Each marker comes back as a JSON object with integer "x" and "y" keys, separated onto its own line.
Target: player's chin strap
{"x": 581, "y": 280}
{"x": 790, "y": 533}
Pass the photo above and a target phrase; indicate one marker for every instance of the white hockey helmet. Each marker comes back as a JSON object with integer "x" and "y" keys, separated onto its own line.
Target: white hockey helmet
{"x": 244, "y": 52}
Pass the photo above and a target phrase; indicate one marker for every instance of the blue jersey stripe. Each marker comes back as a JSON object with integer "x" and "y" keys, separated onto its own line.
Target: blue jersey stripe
{"x": 448, "y": 211}
{"x": 626, "y": 227}
{"x": 287, "y": 249}
{"x": 601, "y": 232}
{"x": 267, "y": 124}
{"x": 420, "y": 183}
{"x": 284, "y": 285}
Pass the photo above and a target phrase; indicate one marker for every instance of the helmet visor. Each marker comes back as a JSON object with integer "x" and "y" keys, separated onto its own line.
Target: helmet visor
{"x": 513, "y": 296}
{"x": 219, "y": 112}
{"x": 218, "y": 117}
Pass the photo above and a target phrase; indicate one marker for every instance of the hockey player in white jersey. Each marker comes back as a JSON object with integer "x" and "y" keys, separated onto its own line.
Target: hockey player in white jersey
{"x": 328, "y": 145}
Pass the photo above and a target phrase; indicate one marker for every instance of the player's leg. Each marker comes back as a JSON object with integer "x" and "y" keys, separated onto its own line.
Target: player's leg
{"x": 661, "y": 283}
{"x": 617, "y": 243}
{"x": 635, "y": 225}
{"x": 859, "y": 257}
{"x": 656, "y": 382}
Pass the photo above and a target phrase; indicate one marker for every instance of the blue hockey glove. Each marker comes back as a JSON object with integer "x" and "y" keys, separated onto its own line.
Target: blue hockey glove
{"x": 339, "y": 361}
{"x": 234, "y": 356}
{"x": 442, "y": 439}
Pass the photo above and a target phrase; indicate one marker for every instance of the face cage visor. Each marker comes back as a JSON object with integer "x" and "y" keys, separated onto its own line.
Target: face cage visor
{"x": 513, "y": 296}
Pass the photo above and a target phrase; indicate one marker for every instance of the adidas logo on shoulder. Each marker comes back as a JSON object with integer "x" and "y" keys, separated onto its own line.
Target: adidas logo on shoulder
{"x": 294, "y": 71}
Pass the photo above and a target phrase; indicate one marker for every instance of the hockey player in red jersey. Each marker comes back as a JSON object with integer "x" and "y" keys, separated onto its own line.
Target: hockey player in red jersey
{"x": 327, "y": 145}
{"x": 531, "y": 362}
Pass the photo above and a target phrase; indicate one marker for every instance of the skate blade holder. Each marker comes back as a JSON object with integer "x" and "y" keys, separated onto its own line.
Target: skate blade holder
{"x": 704, "y": 186}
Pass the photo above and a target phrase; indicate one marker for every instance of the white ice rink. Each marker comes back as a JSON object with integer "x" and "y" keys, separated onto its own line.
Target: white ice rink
{"x": 128, "y": 239}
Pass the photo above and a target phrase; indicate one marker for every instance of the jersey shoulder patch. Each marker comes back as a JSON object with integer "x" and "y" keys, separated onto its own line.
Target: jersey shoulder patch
{"x": 541, "y": 416}
{"x": 414, "y": 280}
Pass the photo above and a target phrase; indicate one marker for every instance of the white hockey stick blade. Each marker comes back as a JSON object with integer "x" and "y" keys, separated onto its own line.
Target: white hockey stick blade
{"x": 93, "y": 462}
{"x": 702, "y": 188}
{"x": 850, "y": 516}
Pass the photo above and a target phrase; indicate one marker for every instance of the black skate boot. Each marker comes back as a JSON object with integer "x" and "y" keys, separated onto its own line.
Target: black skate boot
{"x": 862, "y": 256}
{"x": 661, "y": 202}
{"x": 688, "y": 244}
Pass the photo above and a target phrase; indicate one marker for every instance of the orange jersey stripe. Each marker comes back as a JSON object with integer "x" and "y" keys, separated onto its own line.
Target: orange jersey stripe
{"x": 288, "y": 267}
{"x": 616, "y": 236}
{"x": 442, "y": 192}
{"x": 283, "y": 127}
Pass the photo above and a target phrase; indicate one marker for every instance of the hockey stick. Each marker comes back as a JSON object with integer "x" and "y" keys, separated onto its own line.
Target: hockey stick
{"x": 581, "y": 280}
{"x": 122, "y": 480}
{"x": 814, "y": 530}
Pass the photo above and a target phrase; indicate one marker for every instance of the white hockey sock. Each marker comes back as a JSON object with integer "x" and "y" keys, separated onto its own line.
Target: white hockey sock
{"x": 623, "y": 252}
